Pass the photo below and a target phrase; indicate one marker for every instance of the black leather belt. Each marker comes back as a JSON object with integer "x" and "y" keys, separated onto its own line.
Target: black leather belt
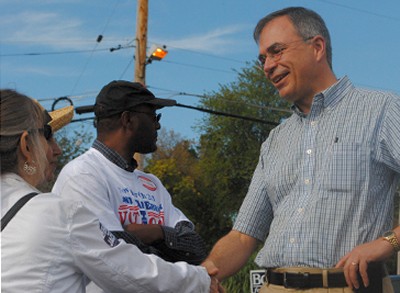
{"x": 305, "y": 280}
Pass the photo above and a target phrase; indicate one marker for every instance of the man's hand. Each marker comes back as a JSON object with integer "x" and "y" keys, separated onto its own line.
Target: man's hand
{"x": 356, "y": 261}
{"x": 210, "y": 267}
{"x": 216, "y": 286}
{"x": 212, "y": 270}
{"x": 148, "y": 233}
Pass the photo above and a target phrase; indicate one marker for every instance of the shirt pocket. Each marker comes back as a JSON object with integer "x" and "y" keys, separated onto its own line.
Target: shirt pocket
{"x": 345, "y": 167}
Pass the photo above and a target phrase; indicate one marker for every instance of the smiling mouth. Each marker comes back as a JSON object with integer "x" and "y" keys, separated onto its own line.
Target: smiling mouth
{"x": 278, "y": 78}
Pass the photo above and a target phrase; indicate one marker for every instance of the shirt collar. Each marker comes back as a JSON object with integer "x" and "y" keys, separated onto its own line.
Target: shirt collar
{"x": 114, "y": 157}
{"x": 330, "y": 96}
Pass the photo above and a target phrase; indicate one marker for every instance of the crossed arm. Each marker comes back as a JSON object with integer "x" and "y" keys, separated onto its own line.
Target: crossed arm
{"x": 179, "y": 243}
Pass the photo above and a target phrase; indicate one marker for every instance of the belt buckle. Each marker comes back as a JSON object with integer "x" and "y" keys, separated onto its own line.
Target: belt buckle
{"x": 267, "y": 276}
{"x": 285, "y": 283}
{"x": 302, "y": 280}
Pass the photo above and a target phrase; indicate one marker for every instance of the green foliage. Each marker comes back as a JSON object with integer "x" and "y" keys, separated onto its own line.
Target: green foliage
{"x": 229, "y": 147}
{"x": 176, "y": 164}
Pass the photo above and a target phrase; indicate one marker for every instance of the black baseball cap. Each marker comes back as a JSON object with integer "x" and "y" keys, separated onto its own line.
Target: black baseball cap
{"x": 121, "y": 95}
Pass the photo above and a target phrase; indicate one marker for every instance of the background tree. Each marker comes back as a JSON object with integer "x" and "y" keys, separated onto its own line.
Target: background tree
{"x": 229, "y": 147}
{"x": 176, "y": 164}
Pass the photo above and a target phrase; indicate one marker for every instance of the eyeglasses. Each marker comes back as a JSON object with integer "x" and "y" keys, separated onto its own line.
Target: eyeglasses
{"x": 156, "y": 117}
{"x": 275, "y": 51}
{"x": 46, "y": 130}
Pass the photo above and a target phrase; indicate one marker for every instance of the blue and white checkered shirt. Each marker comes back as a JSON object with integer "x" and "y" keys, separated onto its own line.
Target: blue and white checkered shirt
{"x": 325, "y": 181}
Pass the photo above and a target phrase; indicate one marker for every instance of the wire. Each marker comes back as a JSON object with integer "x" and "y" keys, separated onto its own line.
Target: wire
{"x": 86, "y": 64}
{"x": 77, "y": 97}
{"x": 196, "y": 66}
{"x": 110, "y": 16}
{"x": 98, "y": 40}
{"x": 88, "y": 109}
{"x": 126, "y": 68}
{"x": 209, "y": 55}
{"x": 228, "y": 115}
{"x": 360, "y": 10}
{"x": 52, "y": 53}
{"x": 226, "y": 100}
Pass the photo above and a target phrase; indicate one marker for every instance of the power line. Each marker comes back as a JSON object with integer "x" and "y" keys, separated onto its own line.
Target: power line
{"x": 110, "y": 16}
{"x": 228, "y": 114}
{"x": 89, "y": 109}
{"x": 360, "y": 10}
{"x": 197, "y": 66}
{"x": 209, "y": 55}
{"x": 127, "y": 67}
{"x": 176, "y": 93}
{"x": 50, "y": 53}
{"x": 98, "y": 40}
{"x": 72, "y": 97}
{"x": 66, "y": 52}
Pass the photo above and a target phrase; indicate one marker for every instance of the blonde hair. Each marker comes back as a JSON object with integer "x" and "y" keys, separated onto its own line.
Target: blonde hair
{"x": 18, "y": 114}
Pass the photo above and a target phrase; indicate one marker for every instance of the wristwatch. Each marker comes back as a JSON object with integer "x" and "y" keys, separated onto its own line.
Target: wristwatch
{"x": 391, "y": 237}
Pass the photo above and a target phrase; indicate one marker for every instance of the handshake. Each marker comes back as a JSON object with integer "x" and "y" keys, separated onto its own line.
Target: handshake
{"x": 215, "y": 286}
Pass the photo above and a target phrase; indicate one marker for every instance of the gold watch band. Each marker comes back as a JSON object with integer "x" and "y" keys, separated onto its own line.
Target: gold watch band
{"x": 392, "y": 239}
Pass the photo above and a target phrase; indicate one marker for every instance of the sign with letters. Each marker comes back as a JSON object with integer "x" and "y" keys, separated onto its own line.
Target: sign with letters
{"x": 257, "y": 278}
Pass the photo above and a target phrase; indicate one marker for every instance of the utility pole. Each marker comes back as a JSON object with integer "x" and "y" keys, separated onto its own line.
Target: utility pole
{"x": 140, "y": 54}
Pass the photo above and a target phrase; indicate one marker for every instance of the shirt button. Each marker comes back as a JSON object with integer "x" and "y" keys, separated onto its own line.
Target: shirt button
{"x": 292, "y": 240}
{"x": 309, "y": 151}
{"x": 300, "y": 210}
{"x": 307, "y": 181}
{"x": 313, "y": 123}
{"x": 170, "y": 243}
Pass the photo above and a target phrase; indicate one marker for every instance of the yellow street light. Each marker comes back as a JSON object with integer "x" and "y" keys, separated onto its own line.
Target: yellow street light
{"x": 156, "y": 52}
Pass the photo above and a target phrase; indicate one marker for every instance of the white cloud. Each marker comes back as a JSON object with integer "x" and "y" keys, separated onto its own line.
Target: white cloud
{"x": 38, "y": 29}
{"x": 43, "y": 29}
{"x": 215, "y": 41}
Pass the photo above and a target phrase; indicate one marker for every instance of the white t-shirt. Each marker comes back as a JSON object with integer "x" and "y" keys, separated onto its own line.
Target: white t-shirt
{"x": 116, "y": 196}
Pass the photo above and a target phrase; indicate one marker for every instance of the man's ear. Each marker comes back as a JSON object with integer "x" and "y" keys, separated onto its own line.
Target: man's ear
{"x": 24, "y": 147}
{"x": 319, "y": 45}
{"x": 126, "y": 119}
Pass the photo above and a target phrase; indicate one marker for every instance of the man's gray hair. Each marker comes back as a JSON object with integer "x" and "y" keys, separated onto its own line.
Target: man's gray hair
{"x": 307, "y": 23}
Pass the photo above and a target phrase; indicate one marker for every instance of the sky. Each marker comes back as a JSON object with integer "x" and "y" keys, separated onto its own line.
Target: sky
{"x": 49, "y": 49}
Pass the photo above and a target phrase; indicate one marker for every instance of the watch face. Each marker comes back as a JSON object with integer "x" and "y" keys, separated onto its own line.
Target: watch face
{"x": 388, "y": 234}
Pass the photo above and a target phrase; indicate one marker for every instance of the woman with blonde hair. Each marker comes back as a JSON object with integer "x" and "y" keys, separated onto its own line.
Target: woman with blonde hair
{"x": 52, "y": 244}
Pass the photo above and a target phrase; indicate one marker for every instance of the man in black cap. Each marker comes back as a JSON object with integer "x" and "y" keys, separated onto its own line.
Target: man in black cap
{"x": 131, "y": 203}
